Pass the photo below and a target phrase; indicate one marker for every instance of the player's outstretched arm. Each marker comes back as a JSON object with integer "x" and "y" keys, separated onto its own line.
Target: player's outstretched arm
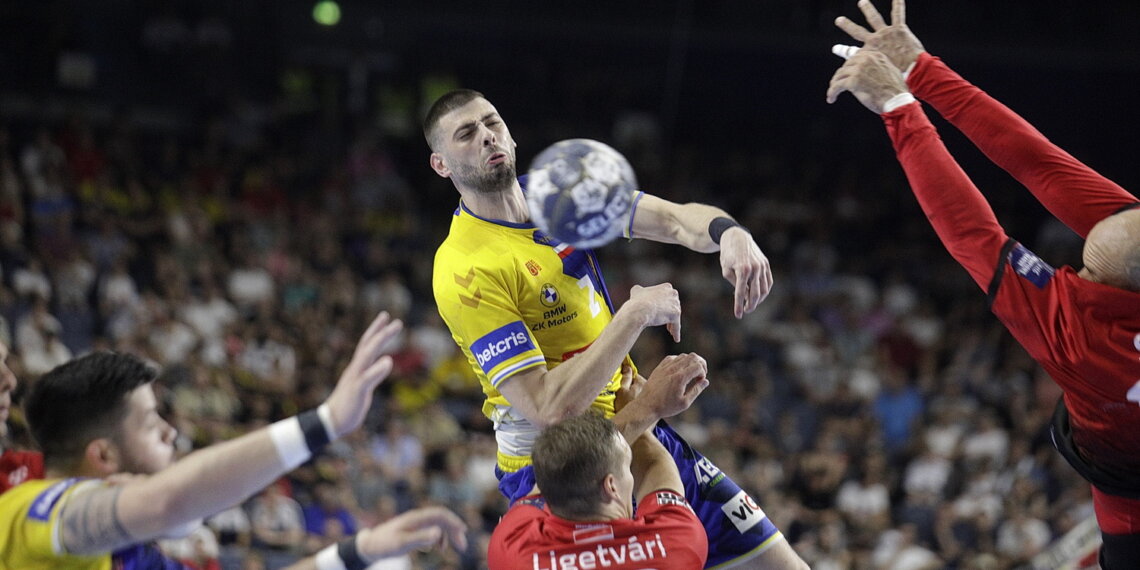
{"x": 417, "y": 529}
{"x": 545, "y": 396}
{"x": 959, "y": 213}
{"x": 672, "y": 387}
{"x": 707, "y": 229}
{"x": 653, "y": 468}
{"x": 1074, "y": 193}
{"x": 212, "y": 479}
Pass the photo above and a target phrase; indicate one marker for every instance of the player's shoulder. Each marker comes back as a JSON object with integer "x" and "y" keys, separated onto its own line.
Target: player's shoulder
{"x": 665, "y": 504}
{"x": 520, "y": 526}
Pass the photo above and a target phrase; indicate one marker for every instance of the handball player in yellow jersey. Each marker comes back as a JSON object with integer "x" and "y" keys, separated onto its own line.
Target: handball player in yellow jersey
{"x": 535, "y": 320}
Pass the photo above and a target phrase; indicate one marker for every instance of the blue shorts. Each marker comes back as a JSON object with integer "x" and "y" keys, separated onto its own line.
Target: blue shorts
{"x": 736, "y": 526}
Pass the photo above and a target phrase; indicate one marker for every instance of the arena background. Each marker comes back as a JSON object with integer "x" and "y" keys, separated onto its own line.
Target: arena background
{"x": 153, "y": 152}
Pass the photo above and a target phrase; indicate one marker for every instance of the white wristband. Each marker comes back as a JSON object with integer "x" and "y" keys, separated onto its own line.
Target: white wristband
{"x": 290, "y": 442}
{"x": 325, "y": 414}
{"x": 904, "y": 98}
{"x": 329, "y": 559}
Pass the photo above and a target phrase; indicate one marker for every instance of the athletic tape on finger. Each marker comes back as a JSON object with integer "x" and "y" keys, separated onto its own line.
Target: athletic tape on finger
{"x": 844, "y": 51}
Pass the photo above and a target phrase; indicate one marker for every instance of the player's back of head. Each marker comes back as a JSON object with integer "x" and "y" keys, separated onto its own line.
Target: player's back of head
{"x": 1112, "y": 251}
{"x": 571, "y": 458}
{"x": 80, "y": 401}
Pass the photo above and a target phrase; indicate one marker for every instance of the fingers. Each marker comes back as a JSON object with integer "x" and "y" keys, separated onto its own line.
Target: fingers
{"x": 695, "y": 388}
{"x": 872, "y": 15}
{"x": 739, "y": 281}
{"x": 626, "y": 375}
{"x": 898, "y": 12}
{"x": 377, "y": 323}
{"x": 767, "y": 280}
{"x": 379, "y": 370}
{"x": 424, "y": 538}
{"x": 376, "y": 341}
{"x": 838, "y": 83}
{"x": 752, "y": 287}
{"x": 687, "y": 365}
{"x": 857, "y": 32}
{"x": 442, "y": 522}
{"x": 674, "y": 328}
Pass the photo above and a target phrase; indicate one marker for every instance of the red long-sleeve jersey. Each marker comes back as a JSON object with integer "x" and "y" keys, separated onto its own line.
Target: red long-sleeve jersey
{"x": 1084, "y": 334}
{"x": 665, "y": 535}
{"x": 19, "y": 466}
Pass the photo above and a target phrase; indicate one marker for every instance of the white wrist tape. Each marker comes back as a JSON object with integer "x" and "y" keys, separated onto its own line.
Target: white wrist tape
{"x": 325, "y": 414}
{"x": 299, "y": 437}
{"x": 904, "y": 98}
{"x": 290, "y": 442}
{"x": 329, "y": 559}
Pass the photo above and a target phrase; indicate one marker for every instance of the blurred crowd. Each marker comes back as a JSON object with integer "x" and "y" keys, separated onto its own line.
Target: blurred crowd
{"x": 877, "y": 411}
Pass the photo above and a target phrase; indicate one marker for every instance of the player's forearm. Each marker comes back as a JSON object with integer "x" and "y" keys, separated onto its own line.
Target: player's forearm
{"x": 199, "y": 485}
{"x": 685, "y": 224}
{"x": 956, "y": 209}
{"x": 653, "y": 468}
{"x": 572, "y": 387}
{"x": 1074, "y": 193}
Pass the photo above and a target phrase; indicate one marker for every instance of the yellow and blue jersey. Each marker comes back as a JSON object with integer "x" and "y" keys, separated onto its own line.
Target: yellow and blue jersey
{"x": 515, "y": 299}
{"x": 30, "y": 532}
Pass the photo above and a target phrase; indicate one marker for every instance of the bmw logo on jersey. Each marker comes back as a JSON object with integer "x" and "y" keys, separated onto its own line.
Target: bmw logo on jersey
{"x": 549, "y": 295}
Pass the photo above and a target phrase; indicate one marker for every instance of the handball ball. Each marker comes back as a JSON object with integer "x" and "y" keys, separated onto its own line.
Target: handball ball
{"x": 579, "y": 192}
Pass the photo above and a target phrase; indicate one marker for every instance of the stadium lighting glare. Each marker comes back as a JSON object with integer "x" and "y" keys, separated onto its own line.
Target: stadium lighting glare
{"x": 326, "y": 13}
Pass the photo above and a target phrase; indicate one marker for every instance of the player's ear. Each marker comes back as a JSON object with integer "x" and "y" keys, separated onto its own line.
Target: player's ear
{"x": 610, "y": 488}
{"x": 436, "y": 162}
{"x": 102, "y": 456}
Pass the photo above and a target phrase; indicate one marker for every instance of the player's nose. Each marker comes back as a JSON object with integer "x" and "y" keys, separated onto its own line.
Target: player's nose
{"x": 489, "y": 138}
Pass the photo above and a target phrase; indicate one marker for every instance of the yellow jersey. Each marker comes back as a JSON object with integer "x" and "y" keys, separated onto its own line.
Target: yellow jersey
{"x": 515, "y": 299}
{"x": 30, "y": 533}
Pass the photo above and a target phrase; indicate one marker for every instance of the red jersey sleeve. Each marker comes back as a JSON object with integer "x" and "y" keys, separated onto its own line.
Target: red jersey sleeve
{"x": 959, "y": 213}
{"x": 1074, "y": 193}
{"x": 19, "y": 466}
{"x": 510, "y": 539}
{"x": 670, "y": 515}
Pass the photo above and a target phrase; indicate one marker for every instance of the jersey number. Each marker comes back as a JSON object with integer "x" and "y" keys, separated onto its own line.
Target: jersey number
{"x": 595, "y": 306}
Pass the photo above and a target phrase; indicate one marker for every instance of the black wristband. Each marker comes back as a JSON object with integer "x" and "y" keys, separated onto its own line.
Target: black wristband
{"x": 351, "y": 558}
{"x": 316, "y": 436}
{"x": 719, "y": 225}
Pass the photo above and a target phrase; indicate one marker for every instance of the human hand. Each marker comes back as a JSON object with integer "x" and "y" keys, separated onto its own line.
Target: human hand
{"x": 871, "y": 77}
{"x": 421, "y": 528}
{"x": 660, "y": 305}
{"x": 895, "y": 40}
{"x": 674, "y": 385}
{"x": 746, "y": 267}
{"x": 370, "y": 365}
{"x": 631, "y": 386}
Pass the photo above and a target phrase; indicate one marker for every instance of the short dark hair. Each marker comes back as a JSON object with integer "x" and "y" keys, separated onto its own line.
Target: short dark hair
{"x": 81, "y": 401}
{"x": 571, "y": 458}
{"x": 447, "y": 103}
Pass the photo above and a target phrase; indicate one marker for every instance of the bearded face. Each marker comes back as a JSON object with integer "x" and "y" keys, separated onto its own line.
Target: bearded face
{"x": 487, "y": 179}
